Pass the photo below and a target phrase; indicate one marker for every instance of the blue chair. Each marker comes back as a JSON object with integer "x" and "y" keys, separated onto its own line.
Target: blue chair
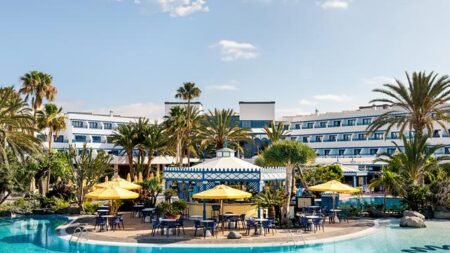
{"x": 318, "y": 223}
{"x": 156, "y": 224}
{"x": 121, "y": 220}
{"x": 180, "y": 224}
{"x": 101, "y": 222}
{"x": 115, "y": 223}
{"x": 197, "y": 225}
{"x": 251, "y": 224}
{"x": 211, "y": 226}
{"x": 267, "y": 226}
{"x": 343, "y": 215}
{"x": 171, "y": 225}
{"x": 305, "y": 223}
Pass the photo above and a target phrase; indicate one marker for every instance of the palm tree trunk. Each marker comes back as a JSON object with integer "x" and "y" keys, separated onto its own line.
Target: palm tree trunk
{"x": 149, "y": 163}
{"x": 5, "y": 197}
{"x": 188, "y": 134}
{"x": 130, "y": 162}
{"x": 288, "y": 187}
{"x": 50, "y": 139}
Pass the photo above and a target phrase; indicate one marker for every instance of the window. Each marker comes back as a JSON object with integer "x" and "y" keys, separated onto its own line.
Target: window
{"x": 373, "y": 151}
{"x": 297, "y": 126}
{"x": 378, "y": 136}
{"x": 80, "y": 138}
{"x": 109, "y": 139}
{"x": 286, "y": 127}
{"x": 350, "y": 122}
{"x": 96, "y": 139}
{"x": 93, "y": 125}
{"x": 366, "y": 121}
{"x": 77, "y": 124}
{"x": 293, "y": 138}
{"x": 390, "y": 151}
{"x": 341, "y": 151}
{"x": 447, "y": 150}
{"x": 114, "y": 152}
{"x": 107, "y": 125}
{"x": 326, "y": 152}
{"x": 318, "y": 138}
{"x": 337, "y": 123}
{"x": 346, "y": 137}
{"x": 332, "y": 138}
{"x": 356, "y": 151}
{"x": 323, "y": 124}
{"x": 395, "y": 135}
{"x": 436, "y": 133}
{"x": 59, "y": 138}
{"x": 305, "y": 139}
{"x": 309, "y": 125}
{"x": 361, "y": 136}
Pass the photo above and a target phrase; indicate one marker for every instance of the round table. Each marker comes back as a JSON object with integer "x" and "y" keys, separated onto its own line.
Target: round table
{"x": 168, "y": 221}
{"x": 109, "y": 216}
{"x": 195, "y": 217}
{"x": 206, "y": 222}
{"x": 102, "y": 212}
{"x": 260, "y": 220}
{"x": 137, "y": 209}
{"x": 335, "y": 217}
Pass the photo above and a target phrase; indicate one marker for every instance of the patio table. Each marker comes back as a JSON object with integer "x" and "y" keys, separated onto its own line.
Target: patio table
{"x": 195, "y": 217}
{"x": 167, "y": 221}
{"x": 260, "y": 221}
{"x": 206, "y": 222}
{"x": 147, "y": 211}
{"x": 335, "y": 217}
{"x": 107, "y": 217}
{"x": 228, "y": 216}
{"x": 137, "y": 209}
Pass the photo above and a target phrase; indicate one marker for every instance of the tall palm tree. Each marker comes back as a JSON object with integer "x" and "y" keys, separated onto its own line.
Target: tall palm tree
{"x": 390, "y": 181}
{"x": 188, "y": 92}
{"x": 415, "y": 160}
{"x": 51, "y": 118}
{"x": 155, "y": 141}
{"x": 16, "y": 127}
{"x": 416, "y": 105}
{"x": 39, "y": 86}
{"x": 176, "y": 125}
{"x": 140, "y": 128}
{"x": 124, "y": 136}
{"x": 218, "y": 127}
{"x": 274, "y": 131}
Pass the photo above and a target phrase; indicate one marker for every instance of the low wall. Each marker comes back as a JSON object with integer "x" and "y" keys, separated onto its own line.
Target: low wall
{"x": 249, "y": 209}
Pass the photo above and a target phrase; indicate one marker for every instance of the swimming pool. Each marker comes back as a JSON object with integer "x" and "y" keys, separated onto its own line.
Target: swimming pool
{"x": 356, "y": 201}
{"x": 37, "y": 234}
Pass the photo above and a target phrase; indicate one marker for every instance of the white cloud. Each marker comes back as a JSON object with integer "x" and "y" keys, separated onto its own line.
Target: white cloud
{"x": 228, "y": 86}
{"x": 377, "y": 81}
{"x": 335, "y": 4}
{"x": 307, "y": 102}
{"x": 181, "y": 8}
{"x": 150, "y": 110}
{"x": 332, "y": 98}
{"x": 231, "y": 50}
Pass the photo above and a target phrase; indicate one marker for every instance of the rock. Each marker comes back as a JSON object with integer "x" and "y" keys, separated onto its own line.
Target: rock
{"x": 412, "y": 221}
{"x": 442, "y": 215}
{"x": 413, "y": 214}
{"x": 234, "y": 235}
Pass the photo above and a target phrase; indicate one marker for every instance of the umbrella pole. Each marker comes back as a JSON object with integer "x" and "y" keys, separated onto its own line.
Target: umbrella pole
{"x": 335, "y": 218}
{"x": 204, "y": 209}
{"x": 221, "y": 210}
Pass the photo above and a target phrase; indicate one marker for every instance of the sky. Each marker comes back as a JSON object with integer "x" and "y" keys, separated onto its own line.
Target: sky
{"x": 130, "y": 56}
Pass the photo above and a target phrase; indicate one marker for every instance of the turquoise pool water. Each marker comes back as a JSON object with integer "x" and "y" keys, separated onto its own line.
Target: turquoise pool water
{"x": 36, "y": 234}
{"x": 391, "y": 201}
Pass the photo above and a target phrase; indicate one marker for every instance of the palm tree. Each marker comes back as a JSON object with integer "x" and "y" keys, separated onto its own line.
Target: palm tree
{"x": 390, "y": 181}
{"x": 218, "y": 127}
{"x": 53, "y": 119}
{"x": 275, "y": 132}
{"x": 16, "y": 127}
{"x": 415, "y": 160}
{"x": 140, "y": 128}
{"x": 188, "y": 92}
{"x": 176, "y": 125}
{"x": 124, "y": 136}
{"x": 155, "y": 141}
{"x": 289, "y": 154}
{"x": 39, "y": 86}
{"x": 416, "y": 106}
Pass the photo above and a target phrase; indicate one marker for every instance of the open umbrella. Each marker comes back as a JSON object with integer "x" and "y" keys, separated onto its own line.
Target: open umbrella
{"x": 112, "y": 193}
{"x": 119, "y": 182}
{"x": 333, "y": 186}
{"x": 221, "y": 192}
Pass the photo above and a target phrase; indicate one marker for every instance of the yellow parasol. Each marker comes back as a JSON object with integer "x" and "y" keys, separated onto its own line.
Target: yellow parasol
{"x": 119, "y": 182}
{"x": 112, "y": 193}
{"x": 333, "y": 186}
{"x": 221, "y": 192}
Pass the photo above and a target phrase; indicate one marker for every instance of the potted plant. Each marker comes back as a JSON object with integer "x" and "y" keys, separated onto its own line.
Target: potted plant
{"x": 169, "y": 210}
{"x": 270, "y": 199}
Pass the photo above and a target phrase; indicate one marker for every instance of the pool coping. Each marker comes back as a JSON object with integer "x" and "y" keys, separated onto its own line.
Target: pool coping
{"x": 376, "y": 225}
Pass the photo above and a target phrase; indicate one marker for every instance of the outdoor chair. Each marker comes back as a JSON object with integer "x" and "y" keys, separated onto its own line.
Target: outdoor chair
{"x": 197, "y": 225}
{"x": 318, "y": 223}
{"x": 101, "y": 222}
{"x": 235, "y": 220}
{"x": 251, "y": 224}
{"x": 343, "y": 216}
{"x": 146, "y": 214}
{"x": 156, "y": 224}
{"x": 211, "y": 226}
{"x": 121, "y": 220}
{"x": 115, "y": 223}
{"x": 267, "y": 226}
{"x": 305, "y": 223}
{"x": 171, "y": 225}
{"x": 180, "y": 224}
{"x": 242, "y": 220}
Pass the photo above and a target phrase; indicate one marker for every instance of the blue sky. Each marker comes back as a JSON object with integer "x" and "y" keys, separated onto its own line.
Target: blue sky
{"x": 131, "y": 55}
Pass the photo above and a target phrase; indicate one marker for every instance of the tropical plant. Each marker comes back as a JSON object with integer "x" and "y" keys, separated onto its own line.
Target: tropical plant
{"x": 415, "y": 106}
{"x": 290, "y": 154}
{"x": 390, "y": 181}
{"x": 139, "y": 129}
{"x": 275, "y": 132}
{"x": 16, "y": 126}
{"x": 169, "y": 193}
{"x": 416, "y": 197}
{"x": 152, "y": 188}
{"x": 155, "y": 142}
{"x": 38, "y": 86}
{"x": 86, "y": 170}
{"x": 218, "y": 127}
{"x": 90, "y": 207}
{"x": 270, "y": 199}
{"x": 175, "y": 123}
{"x": 321, "y": 174}
{"x": 416, "y": 158}
{"x": 124, "y": 137}
{"x": 188, "y": 92}
{"x": 52, "y": 119}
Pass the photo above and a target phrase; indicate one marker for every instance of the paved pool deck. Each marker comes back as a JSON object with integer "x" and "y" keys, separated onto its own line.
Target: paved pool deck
{"x": 137, "y": 232}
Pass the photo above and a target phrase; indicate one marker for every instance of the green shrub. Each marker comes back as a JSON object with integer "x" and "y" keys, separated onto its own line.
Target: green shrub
{"x": 90, "y": 207}
{"x": 179, "y": 205}
{"x": 58, "y": 203}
